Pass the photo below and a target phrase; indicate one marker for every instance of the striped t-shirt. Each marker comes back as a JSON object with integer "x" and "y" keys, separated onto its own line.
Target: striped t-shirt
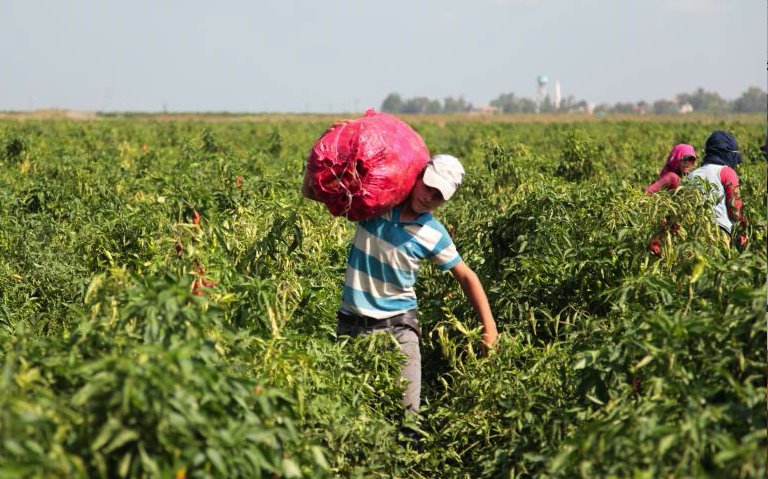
{"x": 384, "y": 261}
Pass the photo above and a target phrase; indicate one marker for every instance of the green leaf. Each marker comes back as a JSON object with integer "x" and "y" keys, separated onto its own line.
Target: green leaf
{"x": 216, "y": 460}
{"x": 319, "y": 457}
{"x": 125, "y": 464}
{"x": 647, "y": 359}
{"x": 595, "y": 400}
{"x": 290, "y": 468}
{"x": 122, "y": 438}
{"x": 106, "y": 433}
{"x": 14, "y": 447}
{"x": 666, "y": 442}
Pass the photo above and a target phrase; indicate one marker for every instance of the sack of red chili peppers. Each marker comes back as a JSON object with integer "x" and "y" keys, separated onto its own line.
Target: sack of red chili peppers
{"x": 361, "y": 168}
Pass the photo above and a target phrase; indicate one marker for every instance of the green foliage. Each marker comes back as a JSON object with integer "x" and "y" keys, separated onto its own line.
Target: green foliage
{"x": 14, "y": 149}
{"x": 393, "y": 103}
{"x": 754, "y": 100}
{"x": 579, "y": 157}
{"x": 704, "y": 101}
{"x": 167, "y": 309}
{"x": 508, "y": 103}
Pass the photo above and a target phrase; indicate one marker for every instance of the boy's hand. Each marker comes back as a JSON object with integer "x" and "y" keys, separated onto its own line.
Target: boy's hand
{"x": 490, "y": 336}
{"x": 472, "y": 288}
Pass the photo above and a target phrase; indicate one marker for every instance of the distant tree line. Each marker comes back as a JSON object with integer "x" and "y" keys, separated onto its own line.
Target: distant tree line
{"x": 754, "y": 100}
{"x": 395, "y": 104}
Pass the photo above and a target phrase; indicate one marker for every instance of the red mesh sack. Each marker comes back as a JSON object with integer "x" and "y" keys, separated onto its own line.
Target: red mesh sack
{"x": 362, "y": 168}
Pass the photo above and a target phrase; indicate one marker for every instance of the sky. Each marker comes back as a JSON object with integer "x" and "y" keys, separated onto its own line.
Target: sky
{"x": 346, "y": 55}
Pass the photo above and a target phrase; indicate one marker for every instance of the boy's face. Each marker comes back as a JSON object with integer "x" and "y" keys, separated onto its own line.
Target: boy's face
{"x": 424, "y": 198}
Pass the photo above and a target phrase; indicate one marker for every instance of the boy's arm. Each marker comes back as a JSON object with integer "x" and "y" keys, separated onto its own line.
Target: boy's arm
{"x": 474, "y": 291}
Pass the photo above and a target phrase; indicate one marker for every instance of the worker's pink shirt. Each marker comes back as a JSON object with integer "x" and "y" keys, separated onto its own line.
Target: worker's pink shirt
{"x": 669, "y": 181}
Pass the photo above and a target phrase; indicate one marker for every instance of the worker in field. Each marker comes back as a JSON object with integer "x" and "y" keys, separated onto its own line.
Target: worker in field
{"x": 383, "y": 263}
{"x": 680, "y": 161}
{"x": 719, "y": 169}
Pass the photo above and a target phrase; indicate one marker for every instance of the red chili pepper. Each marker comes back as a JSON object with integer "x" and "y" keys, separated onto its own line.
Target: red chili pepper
{"x": 655, "y": 246}
{"x": 196, "y": 288}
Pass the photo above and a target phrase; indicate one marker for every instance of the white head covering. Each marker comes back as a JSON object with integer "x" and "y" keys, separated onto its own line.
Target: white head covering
{"x": 445, "y": 173}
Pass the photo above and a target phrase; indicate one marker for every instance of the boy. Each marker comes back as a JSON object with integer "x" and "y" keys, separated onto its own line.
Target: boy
{"x": 384, "y": 260}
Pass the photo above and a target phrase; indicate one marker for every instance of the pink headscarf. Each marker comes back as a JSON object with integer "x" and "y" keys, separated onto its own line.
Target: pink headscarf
{"x": 673, "y": 160}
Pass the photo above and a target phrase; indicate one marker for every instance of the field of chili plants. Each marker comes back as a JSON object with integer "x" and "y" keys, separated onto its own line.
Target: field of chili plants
{"x": 167, "y": 309}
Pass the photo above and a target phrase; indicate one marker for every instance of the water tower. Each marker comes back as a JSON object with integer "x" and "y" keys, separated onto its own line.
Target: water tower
{"x": 541, "y": 81}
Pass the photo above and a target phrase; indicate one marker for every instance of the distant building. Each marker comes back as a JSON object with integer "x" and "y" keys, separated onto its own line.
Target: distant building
{"x": 485, "y": 110}
{"x": 641, "y": 108}
{"x": 685, "y": 108}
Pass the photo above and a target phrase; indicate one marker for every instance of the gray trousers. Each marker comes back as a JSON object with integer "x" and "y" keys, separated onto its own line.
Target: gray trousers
{"x": 409, "y": 344}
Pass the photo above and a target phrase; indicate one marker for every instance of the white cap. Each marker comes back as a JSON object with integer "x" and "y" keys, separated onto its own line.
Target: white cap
{"x": 445, "y": 173}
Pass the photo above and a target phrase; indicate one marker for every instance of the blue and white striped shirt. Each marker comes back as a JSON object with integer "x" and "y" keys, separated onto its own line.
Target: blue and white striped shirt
{"x": 384, "y": 261}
